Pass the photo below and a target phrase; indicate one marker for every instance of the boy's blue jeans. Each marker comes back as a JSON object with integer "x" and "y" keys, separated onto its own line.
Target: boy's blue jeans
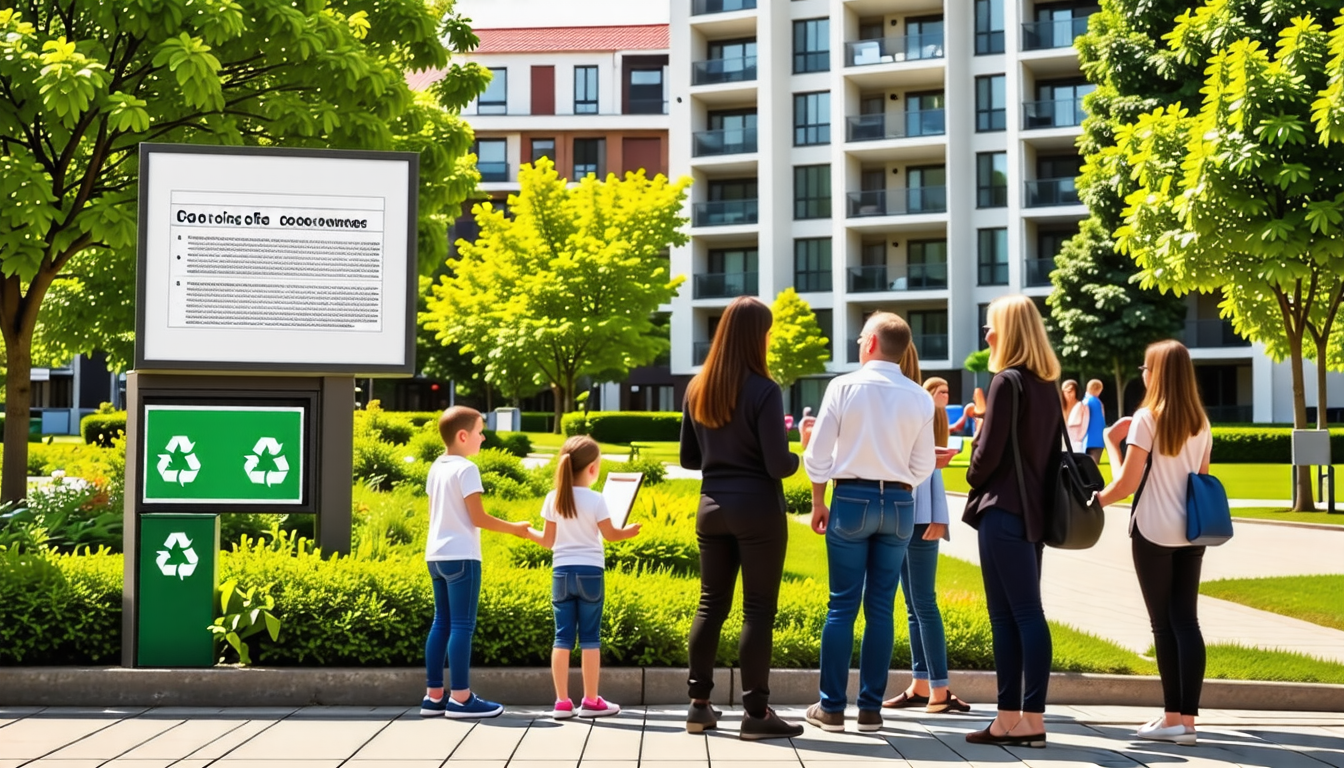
{"x": 866, "y": 541}
{"x": 457, "y": 591}
{"x": 577, "y": 594}
{"x": 928, "y": 642}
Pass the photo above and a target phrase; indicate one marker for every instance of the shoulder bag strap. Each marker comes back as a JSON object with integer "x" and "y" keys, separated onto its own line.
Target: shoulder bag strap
{"x": 1147, "y": 467}
{"x": 1017, "y": 453}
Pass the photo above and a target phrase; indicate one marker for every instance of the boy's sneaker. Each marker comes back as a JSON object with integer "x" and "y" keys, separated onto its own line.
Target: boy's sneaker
{"x": 769, "y": 727}
{"x": 474, "y": 708}
{"x": 870, "y": 720}
{"x": 598, "y": 707}
{"x": 826, "y": 721}
{"x": 431, "y": 708}
{"x": 564, "y": 709}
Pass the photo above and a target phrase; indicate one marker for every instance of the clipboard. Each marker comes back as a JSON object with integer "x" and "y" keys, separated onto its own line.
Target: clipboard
{"x": 619, "y": 492}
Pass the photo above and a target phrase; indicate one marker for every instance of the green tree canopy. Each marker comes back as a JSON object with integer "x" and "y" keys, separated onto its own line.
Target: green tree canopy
{"x": 797, "y": 346}
{"x": 84, "y": 82}
{"x": 565, "y": 286}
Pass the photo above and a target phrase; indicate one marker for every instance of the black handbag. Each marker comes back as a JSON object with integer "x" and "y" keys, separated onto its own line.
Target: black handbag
{"x": 1073, "y": 517}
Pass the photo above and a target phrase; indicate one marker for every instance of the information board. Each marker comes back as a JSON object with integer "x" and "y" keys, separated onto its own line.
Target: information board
{"x": 244, "y": 455}
{"x": 259, "y": 259}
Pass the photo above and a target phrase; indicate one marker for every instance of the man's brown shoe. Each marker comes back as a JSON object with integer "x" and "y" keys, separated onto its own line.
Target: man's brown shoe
{"x": 826, "y": 721}
{"x": 870, "y": 720}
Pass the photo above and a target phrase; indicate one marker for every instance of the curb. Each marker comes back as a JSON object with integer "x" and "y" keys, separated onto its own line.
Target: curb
{"x": 1286, "y": 523}
{"x": 353, "y": 686}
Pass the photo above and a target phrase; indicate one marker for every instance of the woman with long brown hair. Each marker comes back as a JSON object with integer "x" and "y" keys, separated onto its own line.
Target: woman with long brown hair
{"x": 1169, "y": 439}
{"x": 732, "y": 430}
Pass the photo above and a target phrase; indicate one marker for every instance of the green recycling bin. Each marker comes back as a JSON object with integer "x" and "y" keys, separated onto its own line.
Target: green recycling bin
{"x": 177, "y": 578}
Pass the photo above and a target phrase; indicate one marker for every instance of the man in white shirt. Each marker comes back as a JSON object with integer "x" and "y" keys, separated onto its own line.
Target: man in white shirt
{"x": 874, "y": 438}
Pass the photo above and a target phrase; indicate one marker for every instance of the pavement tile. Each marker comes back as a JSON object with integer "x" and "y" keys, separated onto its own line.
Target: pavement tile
{"x": 607, "y": 764}
{"x": 665, "y": 737}
{"x": 493, "y": 739}
{"x": 138, "y": 764}
{"x": 309, "y": 739}
{"x": 818, "y": 746}
{"x": 115, "y": 740}
{"x": 193, "y": 763}
{"x": 670, "y": 764}
{"x": 33, "y": 737}
{"x": 64, "y": 764}
{"x": 419, "y": 739}
{"x": 543, "y": 764}
{"x": 724, "y": 745}
{"x": 913, "y": 743}
{"x": 615, "y": 738}
{"x": 391, "y": 764}
{"x": 553, "y": 740}
{"x": 274, "y": 763}
{"x": 11, "y": 763}
{"x": 477, "y": 763}
{"x": 231, "y": 740}
{"x": 186, "y": 737}
{"x": 889, "y": 763}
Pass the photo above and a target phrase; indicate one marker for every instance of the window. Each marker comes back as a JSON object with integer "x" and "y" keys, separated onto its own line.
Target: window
{"x": 811, "y": 45}
{"x": 928, "y": 265}
{"x": 812, "y": 192}
{"x": 991, "y": 103}
{"x": 585, "y": 90}
{"x": 812, "y": 264}
{"x": 983, "y": 320}
{"x": 926, "y": 188}
{"x": 645, "y": 92}
{"x": 735, "y": 50}
{"x": 732, "y": 260}
{"x": 826, "y": 322}
{"x": 492, "y": 159}
{"x": 992, "y": 256}
{"x": 1059, "y": 167}
{"x": 1049, "y": 242}
{"x": 924, "y": 114}
{"x": 1056, "y": 25}
{"x": 732, "y": 272}
{"x": 495, "y": 100}
{"x": 811, "y": 118}
{"x": 991, "y": 179}
{"x": 543, "y": 148}
{"x": 1058, "y": 104}
{"x": 988, "y": 27}
{"x": 589, "y": 157}
{"x": 928, "y": 332}
{"x": 924, "y": 38}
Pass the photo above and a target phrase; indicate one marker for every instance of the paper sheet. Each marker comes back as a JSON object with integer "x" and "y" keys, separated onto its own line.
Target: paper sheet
{"x": 619, "y": 493}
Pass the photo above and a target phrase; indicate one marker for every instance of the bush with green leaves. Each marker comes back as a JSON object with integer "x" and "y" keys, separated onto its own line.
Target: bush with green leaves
{"x": 102, "y": 428}
{"x": 59, "y": 609}
{"x": 1263, "y": 445}
{"x": 623, "y": 426}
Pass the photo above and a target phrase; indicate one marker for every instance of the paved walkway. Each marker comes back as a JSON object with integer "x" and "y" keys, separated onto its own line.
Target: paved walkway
{"x": 1096, "y": 591}
{"x": 320, "y": 737}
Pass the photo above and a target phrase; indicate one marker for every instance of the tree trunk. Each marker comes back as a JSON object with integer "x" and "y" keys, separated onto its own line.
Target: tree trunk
{"x": 1120, "y": 381}
{"x": 18, "y": 400}
{"x": 1322, "y": 349}
{"x": 557, "y": 397}
{"x": 1305, "y": 500}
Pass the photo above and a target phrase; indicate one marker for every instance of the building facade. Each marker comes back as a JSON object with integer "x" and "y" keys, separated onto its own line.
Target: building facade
{"x": 916, "y": 156}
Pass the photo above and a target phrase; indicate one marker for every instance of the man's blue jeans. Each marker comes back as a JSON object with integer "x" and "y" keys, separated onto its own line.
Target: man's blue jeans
{"x": 457, "y": 591}
{"x": 928, "y": 641}
{"x": 866, "y": 540}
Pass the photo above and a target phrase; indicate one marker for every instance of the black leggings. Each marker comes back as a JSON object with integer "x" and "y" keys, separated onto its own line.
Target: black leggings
{"x": 751, "y": 533}
{"x": 1169, "y": 579}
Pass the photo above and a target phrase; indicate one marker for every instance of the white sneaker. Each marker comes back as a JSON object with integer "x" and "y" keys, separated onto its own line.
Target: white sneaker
{"x": 1175, "y": 734}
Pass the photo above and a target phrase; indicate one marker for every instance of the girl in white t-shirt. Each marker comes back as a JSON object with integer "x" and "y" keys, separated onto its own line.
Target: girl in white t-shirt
{"x": 576, "y": 522}
{"x": 1171, "y": 429}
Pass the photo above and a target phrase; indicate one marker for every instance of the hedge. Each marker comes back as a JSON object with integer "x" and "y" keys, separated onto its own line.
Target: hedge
{"x": 102, "y": 428}
{"x": 624, "y": 426}
{"x": 1263, "y": 445}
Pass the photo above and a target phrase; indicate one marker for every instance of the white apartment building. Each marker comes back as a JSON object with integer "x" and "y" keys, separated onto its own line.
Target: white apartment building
{"x": 916, "y": 156}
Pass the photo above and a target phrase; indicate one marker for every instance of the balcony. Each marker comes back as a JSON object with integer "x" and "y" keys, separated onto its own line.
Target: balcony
{"x": 1212, "y": 334}
{"x": 1044, "y": 35}
{"x": 716, "y": 71}
{"x": 910, "y": 277}
{"x": 493, "y": 171}
{"x": 891, "y": 50}
{"x": 1230, "y": 414}
{"x": 1057, "y": 113}
{"x": 812, "y": 281}
{"x": 702, "y": 7}
{"x": 724, "y": 213}
{"x": 725, "y": 285}
{"x": 1047, "y": 192}
{"x": 730, "y": 141}
{"x": 650, "y": 106}
{"x": 930, "y": 346}
{"x": 1037, "y": 273}
{"x": 897, "y": 202}
{"x": 921, "y": 122}
{"x": 700, "y": 351}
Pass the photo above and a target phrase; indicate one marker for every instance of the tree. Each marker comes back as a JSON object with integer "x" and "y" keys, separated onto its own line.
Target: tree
{"x": 1101, "y": 320}
{"x": 83, "y": 82}
{"x": 1247, "y": 194}
{"x": 797, "y": 347}
{"x": 567, "y": 285}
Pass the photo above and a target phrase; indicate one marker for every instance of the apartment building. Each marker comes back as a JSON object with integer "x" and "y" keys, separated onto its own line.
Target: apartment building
{"x": 916, "y": 156}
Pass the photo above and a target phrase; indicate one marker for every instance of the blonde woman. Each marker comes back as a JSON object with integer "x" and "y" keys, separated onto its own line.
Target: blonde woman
{"x": 1171, "y": 429}
{"x": 1076, "y": 415}
{"x": 1010, "y": 519}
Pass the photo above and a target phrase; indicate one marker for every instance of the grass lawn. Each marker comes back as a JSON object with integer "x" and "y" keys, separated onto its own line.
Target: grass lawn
{"x": 1233, "y": 662}
{"x": 1317, "y": 599}
{"x": 1282, "y": 515}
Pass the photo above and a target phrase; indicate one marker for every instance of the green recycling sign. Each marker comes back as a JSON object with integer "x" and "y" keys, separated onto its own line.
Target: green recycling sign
{"x": 223, "y": 454}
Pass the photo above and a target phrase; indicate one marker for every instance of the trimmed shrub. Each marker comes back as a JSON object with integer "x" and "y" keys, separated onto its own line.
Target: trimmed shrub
{"x": 798, "y": 494}
{"x": 60, "y": 609}
{"x": 538, "y": 422}
{"x": 516, "y": 443}
{"x": 1263, "y": 445}
{"x": 102, "y": 428}
{"x": 378, "y": 462}
{"x": 624, "y": 426}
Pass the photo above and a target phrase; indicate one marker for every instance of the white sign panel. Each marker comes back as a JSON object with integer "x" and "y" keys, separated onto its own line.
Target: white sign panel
{"x": 276, "y": 260}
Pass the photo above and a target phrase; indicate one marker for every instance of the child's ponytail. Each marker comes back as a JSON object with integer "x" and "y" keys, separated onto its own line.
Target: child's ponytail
{"x": 577, "y": 454}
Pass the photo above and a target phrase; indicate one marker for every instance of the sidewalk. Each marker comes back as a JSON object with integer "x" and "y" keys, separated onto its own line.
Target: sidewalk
{"x": 328, "y": 737}
{"x": 1095, "y": 589}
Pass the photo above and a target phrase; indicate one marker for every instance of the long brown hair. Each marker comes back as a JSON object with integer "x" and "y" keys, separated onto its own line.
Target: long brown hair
{"x": 1063, "y": 395}
{"x": 576, "y": 455}
{"x": 737, "y": 350}
{"x": 941, "y": 429}
{"x": 1172, "y": 397}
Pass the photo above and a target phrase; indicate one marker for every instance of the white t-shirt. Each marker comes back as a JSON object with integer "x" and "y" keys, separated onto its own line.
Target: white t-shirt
{"x": 452, "y": 535}
{"x": 578, "y": 541}
{"x": 1160, "y": 514}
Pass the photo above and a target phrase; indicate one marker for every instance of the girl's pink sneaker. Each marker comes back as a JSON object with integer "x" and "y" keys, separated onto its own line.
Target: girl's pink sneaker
{"x": 598, "y": 707}
{"x": 564, "y": 709}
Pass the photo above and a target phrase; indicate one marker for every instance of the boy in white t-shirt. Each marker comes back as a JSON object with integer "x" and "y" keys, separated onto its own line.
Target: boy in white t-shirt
{"x": 453, "y": 552}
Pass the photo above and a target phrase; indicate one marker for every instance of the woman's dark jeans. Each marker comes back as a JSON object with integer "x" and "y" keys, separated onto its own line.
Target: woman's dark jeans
{"x": 1169, "y": 580}
{"x": 1011, "y": 567}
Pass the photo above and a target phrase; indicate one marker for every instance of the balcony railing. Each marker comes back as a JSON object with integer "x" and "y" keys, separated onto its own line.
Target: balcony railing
{"x": 812, "y": 281}
{"x": 728, "y": 141}
{"x": 1212, "y": 333}
{"x": 889, "y": 50}
{"x": 700, "y": 351}
{"x": 930, "y": 346}
{"x": 1044, "y": 192}
{"x": 920, "y": 122}
{"x": 897, "y": 202}
{"x": 1056, "y": 113}
{"x": 910, "y": 277}
{"x": 724, "y": 213}
{"x": 1038, "y": 272}
{"x": 493, "y": 171}
{"x": 702, "y": 7}
{"x": 725, "y": 285}
{"x": 1043, "y": 35}
{"x": 714, "y": 71}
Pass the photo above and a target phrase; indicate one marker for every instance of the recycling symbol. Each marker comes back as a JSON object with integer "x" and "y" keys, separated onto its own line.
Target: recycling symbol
{"x": 179, "y": 443}
{"x": 266, "y": 446}
{"x": 177, "y": 541}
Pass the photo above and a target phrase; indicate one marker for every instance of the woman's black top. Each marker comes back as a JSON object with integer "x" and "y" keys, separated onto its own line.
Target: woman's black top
{"x": 749, "y": 454}
{"x": 992, "y": 474}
